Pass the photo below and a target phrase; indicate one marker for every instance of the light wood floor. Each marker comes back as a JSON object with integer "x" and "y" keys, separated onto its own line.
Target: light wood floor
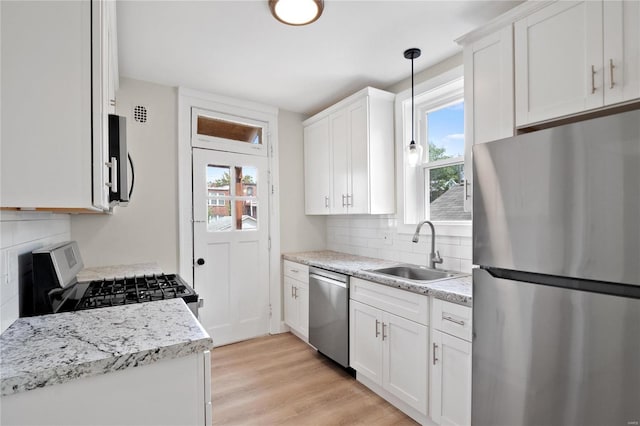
{"x": 280, "y": 380}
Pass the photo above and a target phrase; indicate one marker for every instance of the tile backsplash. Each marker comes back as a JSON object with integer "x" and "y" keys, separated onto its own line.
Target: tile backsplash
{"x": 378, "y": 236}
{"x": 21, "y": 233}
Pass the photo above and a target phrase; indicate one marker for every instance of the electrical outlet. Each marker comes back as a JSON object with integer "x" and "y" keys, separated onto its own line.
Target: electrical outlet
{"x": 388, "y": 241}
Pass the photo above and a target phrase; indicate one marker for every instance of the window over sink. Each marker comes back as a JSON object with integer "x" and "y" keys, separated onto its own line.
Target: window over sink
{"x": 435, "y": 190}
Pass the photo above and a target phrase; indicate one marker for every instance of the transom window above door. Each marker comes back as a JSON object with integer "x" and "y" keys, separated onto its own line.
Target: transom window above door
{"x": 224, "y": 132}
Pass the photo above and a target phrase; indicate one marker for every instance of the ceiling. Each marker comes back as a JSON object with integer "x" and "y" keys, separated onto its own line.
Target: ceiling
{"x": 236, "y": 48}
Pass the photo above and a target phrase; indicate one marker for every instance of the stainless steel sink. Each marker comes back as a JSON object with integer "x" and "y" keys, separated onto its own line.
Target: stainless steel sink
{"x": 415, "y": 273}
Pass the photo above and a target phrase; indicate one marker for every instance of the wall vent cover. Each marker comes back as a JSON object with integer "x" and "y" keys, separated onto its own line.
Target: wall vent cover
{"x": 140, "y": 114}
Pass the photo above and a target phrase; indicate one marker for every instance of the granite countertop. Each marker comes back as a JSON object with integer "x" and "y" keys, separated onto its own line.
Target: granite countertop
{"x": 53, "y": 349}
{"x": 455, "y": 290}
{"x": 118, "y": 271}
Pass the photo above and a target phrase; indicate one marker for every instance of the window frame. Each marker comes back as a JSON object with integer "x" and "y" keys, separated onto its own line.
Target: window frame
{"x": 435, "y": 93}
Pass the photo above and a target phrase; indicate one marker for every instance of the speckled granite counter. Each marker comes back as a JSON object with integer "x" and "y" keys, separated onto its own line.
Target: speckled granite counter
{"x": 52, "y": 349}
{"x": 118, "y": 271}
{"x": 455, "y": 290}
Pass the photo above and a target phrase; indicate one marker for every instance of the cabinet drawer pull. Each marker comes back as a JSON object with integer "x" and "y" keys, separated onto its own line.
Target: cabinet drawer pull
{"x": 384, "y": 336}
{"x": 448, "y": 318}
{"x": 611, "y": 67}
{"x": 295, "y": 271}
{"x": 377, "y": 331}
{"x": 593, "y": 79}
{"x": 435, "y": 346}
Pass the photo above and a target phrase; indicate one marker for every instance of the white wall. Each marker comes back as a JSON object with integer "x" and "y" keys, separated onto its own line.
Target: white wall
{"x": 21, "y": 233}
{"x": 298, "y": 232}
{"x": 147, "y": 229}
{"x": 377, "y": 236}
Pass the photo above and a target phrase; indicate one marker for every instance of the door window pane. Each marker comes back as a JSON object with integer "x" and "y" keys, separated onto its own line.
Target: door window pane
{"x": 446, "y": 192}
{"x": 239, "y": 132}
{"x": 232, "y": 198}
{"x": 445, "y": 132}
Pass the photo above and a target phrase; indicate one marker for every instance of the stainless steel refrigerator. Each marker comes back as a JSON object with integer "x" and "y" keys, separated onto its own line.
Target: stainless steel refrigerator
{"x": 556, "y": 300}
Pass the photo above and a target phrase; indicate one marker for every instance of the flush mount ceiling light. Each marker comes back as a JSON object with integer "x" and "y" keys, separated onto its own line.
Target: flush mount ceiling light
{"x": 296, "y": 12}
{"x": 413, "y": 151}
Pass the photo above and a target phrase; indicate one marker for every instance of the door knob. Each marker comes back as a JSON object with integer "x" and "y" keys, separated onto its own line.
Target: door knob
{"x": 200, "y": 261}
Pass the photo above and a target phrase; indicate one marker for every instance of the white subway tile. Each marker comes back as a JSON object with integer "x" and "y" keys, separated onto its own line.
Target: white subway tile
{"x": 465, "y": 266}
{"x": 388, "y": 254}
{"x": 366, "y": 251}
{"x": 450, "y": 264}
{"x": 363, "y": 232}
{"x": 358, "y": 242}
{"x": 465, "y": 252}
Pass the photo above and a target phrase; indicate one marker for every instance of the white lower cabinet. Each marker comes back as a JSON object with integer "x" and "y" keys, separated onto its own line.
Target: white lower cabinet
{"x": 450, "y": 380}
{"x": 296, "y": 298}
{"x": 168, "y": 392}
{"x": 389, "y": 352}
{"x": 296, "y": 306}
{"x": 450, "y": 387}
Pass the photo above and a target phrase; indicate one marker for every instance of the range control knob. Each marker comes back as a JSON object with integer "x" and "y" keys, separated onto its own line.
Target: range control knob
{"x": 200, "y": 261}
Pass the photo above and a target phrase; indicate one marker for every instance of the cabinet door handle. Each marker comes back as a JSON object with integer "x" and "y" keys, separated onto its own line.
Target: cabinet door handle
{"x": 467, "y": 184}
{"x": 611, "y": 67}
{"x": 435, "y": 347}
{"x": 292, "y": 287}
{"x": 343, "y": 200}
{"x": 326, "y": 201}
{"x": 295, "y": 292}
{"x": 377, "y": 330}
{"x": 113, "y": 174}
{"x": 349, "y": 199}
{"x": 384, "y": 336}
{"x": 448, "y": 318}
{"x": 593, "y": 79}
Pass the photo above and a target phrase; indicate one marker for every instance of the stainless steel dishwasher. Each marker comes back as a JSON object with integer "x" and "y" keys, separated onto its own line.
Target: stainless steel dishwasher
{"x": 329, "y": 314}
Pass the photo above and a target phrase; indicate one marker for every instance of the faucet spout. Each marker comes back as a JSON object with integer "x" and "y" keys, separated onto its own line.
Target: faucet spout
{"x": 434, "y": 256}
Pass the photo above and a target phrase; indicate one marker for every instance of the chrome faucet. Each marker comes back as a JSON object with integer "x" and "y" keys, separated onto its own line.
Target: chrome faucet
{"x": 434, "y": 256}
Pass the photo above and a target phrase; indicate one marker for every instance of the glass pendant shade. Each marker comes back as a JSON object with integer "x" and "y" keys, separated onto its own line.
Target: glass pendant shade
{"x": 296, "y": 12}
{"x": 413, "y": 154}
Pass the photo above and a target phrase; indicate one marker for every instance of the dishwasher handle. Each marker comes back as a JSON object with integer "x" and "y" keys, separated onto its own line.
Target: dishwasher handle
{"x": 327, "y": 280}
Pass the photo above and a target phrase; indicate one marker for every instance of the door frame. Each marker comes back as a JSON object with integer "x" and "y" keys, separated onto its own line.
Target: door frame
{"x": 188, "y": 99}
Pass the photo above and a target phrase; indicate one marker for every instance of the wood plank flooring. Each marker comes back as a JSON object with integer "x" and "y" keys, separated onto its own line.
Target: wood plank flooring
{"x": 280, "y": 380}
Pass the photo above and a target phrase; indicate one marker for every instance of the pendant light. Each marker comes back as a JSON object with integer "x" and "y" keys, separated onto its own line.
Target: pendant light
{"x": 296, "y": 12}
{"x": 413, "y": 151}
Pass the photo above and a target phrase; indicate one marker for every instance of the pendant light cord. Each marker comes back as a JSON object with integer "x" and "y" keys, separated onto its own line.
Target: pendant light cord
{"x": 412, "y": 106}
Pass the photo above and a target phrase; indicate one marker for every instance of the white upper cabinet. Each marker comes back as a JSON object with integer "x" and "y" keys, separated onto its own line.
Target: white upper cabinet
{"x": 567, "y": 54}
{"x": 53, "y": 137}
{"x": 488, "y": 94}
{"x": 621, "y": 51}
{"x": 349, "y": 156}
{"x": 317, "y": 171}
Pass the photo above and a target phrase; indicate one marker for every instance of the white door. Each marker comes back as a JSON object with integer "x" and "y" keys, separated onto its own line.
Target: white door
{"x": 558, "y": 61}
{"x": 365, "y": 347}
{"x": 291, "y": 310}
{"x": 405, "y": 360}
{"x": 358, "y": 187}
{"x": 450, "y": 380}
{"x": 230, "y": 235}
{"x": 317, "y": 168}
{"x": 621, "y": 50}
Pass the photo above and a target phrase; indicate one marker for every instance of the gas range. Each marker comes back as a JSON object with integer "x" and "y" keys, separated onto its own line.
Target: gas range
{"x": 56, "y": 287}
{"x": 136, "y": 289}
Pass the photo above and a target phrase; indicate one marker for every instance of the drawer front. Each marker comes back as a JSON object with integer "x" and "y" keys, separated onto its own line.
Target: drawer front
{"x": 412, "y": 306}
{"x": 452, "y": 319}
{"x": 296, "y": 271}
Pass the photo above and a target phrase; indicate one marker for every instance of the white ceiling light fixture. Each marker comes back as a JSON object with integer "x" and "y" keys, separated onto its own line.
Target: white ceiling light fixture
{"x": 296, "y": 12}
{"x": 413, "y": 151}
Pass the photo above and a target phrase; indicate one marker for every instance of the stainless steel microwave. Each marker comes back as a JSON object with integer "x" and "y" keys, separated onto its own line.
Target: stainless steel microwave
{"x": 119, "y": 190}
